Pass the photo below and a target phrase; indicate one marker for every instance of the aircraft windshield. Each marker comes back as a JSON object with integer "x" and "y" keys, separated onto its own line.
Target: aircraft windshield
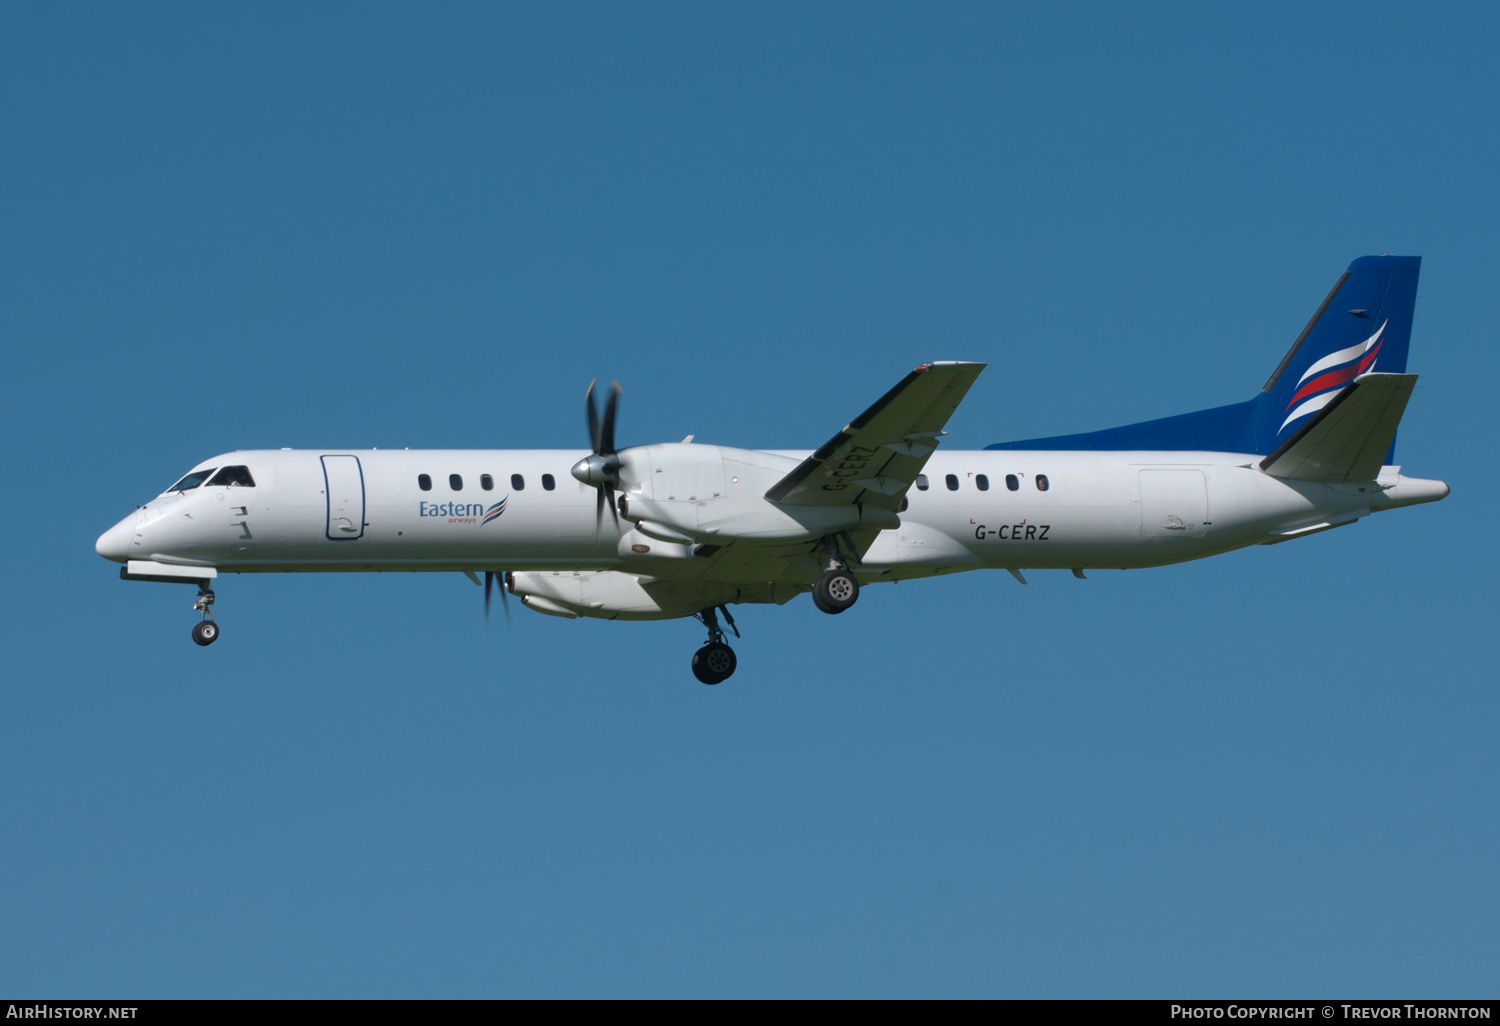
{"x": 193, "y": 480}
{"x": 239, "y": 476}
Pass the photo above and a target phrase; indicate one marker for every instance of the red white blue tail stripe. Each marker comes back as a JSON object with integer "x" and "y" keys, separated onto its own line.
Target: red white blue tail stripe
{"x": 1325, "y": 378}
{"x": 1336, "y": 347}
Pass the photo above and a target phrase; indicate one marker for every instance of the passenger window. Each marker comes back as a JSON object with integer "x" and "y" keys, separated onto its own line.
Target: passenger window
{"x": 952, "y": 482}
{"x": 424, "y": 482}
{"x": 518, "y": 482}
{"x": 239, "y": 477}
{"x": 486, "y": 482}
{"x": 905, "y": 502}
{"x": 981, "y": 482}
{"x": 549, "y": 482}
{"x": 456, "y": 482}
{"x": 193, "y": 480}
{"x": 1012, "y": 483}
{"x": 921, "y": 482}
{"x": 1041, "y": 483}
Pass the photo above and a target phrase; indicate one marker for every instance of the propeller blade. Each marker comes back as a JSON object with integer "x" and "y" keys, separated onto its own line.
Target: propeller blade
{"x": 606, "y": 446}
{"x": 602, "y": 438}
{"x": 490, "y": 579}
{"x": 591, "y": 410}
{"x": 608, "y": 494}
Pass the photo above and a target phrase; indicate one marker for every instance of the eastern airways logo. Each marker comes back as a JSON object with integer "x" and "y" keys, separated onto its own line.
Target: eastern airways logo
{"x": 1326, "y": 378}
{"x": 463, "y": 512}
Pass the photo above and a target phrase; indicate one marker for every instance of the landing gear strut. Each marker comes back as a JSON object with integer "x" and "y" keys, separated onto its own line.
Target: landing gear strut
{"x": 837, "y": 589}
{"x": 715, "y": 661}
{"x": 205, "y": 632}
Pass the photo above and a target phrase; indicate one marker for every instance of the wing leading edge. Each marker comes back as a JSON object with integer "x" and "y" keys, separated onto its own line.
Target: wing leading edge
{"x": 878, "y": 456}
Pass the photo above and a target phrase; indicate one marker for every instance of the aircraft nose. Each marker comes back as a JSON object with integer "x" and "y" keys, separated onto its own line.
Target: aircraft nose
{"x": 115, "y": 543}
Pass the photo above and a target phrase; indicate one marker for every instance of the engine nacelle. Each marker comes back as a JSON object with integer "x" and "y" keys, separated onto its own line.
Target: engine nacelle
{"x": 662, "y": 533}
{"x": 613, "y": 595}
{"x": 709, "y": 493}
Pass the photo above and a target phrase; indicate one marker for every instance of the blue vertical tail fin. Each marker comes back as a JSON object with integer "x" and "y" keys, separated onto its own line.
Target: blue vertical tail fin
{"x": 1364, "y": 325}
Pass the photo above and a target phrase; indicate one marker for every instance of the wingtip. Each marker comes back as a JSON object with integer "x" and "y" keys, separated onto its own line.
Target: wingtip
{"x": 951, "y": 363}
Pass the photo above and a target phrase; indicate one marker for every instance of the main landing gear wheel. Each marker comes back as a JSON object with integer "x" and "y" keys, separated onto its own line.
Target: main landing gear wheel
{"x": 714, "y": 662}
{"x": 206, "y": 632}
{"x": 835, "y": 591}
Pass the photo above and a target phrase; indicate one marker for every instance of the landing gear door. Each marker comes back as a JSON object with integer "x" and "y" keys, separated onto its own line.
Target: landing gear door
{"x": 344, "y": 484}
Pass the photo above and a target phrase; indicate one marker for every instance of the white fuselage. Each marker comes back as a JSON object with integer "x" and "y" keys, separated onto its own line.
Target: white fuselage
{"x": 348, "y": 510}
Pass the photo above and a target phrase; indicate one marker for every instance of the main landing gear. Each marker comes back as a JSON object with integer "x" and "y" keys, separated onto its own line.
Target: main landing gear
{"x": 205, "y": 632}
{"x": 715, "y": 661}
{"x": 837, "y": 589}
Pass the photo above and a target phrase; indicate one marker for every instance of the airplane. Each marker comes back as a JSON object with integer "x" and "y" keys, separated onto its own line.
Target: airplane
{"x": 695, "y": 528}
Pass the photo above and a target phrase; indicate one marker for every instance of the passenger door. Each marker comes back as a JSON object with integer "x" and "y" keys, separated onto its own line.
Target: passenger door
{"x": 344, "y": 485}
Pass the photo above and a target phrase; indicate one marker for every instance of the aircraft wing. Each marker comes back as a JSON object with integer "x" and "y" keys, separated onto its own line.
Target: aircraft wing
{"x": 1348, "y": 439}
{"x": 878, "y": 456}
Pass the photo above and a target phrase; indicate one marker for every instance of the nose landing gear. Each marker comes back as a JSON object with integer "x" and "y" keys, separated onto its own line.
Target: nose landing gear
{"x": 205, "y": 632}
{"x": 715, "y": 661}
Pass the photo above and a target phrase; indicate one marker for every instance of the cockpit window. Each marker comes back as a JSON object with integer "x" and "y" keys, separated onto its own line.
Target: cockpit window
{"x": 239, "y": 477}
{"x": 193, "y": 480}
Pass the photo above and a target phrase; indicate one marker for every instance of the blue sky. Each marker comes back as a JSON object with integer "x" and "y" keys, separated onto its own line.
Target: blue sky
{"x": 1272, "y": 773}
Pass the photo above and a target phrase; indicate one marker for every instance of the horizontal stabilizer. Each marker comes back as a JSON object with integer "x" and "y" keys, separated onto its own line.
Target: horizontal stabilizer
{"x": 1348, "y": 439}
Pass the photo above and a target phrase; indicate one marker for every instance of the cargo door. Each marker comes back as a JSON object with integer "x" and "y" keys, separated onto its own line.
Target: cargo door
{"x": 1174, "y": 504}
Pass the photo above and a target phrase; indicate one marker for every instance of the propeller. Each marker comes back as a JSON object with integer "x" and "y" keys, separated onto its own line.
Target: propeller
{"x": 489, "y": 580}
{"x": 601, "y": 469}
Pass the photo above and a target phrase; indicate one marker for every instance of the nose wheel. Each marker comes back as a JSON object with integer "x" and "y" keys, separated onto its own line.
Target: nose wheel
{"x": 206, "y": 631}
{"x": 714, "y": 663}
